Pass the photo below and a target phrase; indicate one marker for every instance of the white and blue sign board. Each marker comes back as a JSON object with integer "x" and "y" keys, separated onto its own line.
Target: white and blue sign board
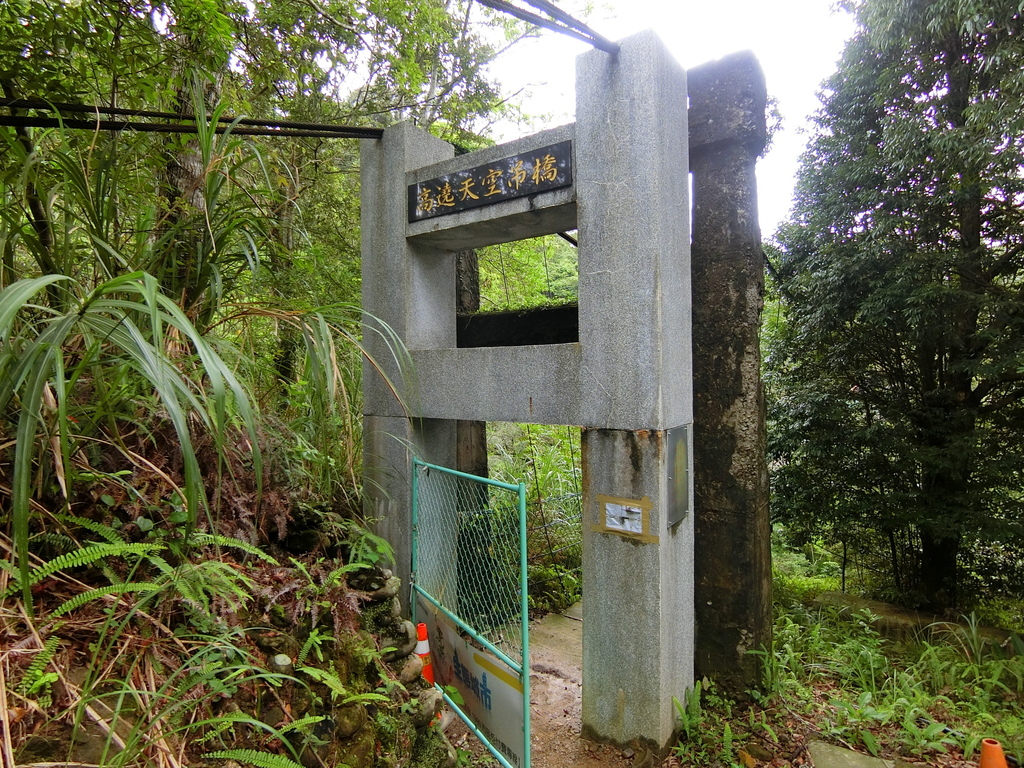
{"x": 491, "y": 691}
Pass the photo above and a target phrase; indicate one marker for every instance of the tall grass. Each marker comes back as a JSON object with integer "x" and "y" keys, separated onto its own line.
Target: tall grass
{"x": 48, "y": 360}
{"x": 547, "y": 460}
{"x": 142, "y": 323}
{"x": 841, "y": 680}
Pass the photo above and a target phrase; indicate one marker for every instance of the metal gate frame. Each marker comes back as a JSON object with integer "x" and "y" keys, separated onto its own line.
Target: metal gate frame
{"x": 438, "y": 601}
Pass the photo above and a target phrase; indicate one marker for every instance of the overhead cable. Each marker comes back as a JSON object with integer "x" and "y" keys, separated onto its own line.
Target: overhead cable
{"x": 560, "y": 22}
{"x": 554, "y": 11}
{"x": 240, "y": 126}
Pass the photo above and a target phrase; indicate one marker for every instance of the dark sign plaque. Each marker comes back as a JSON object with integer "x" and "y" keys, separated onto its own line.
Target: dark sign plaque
{"x": 518, "y": 176}
{"x": 678, "y": 440}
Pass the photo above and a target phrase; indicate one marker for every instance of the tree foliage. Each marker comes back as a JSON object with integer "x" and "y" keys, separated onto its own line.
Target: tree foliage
{"x": 344, "y": 61}
{"x": 351, "y": 58}
{"x": 897, "y": 376}
{"x": 528, "y": 273}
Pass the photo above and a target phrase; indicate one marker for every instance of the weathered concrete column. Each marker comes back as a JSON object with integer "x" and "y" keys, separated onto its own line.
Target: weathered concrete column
{"x": 411, "y": 292}
{"x": 634, "y": 305}
{"x": 733, "y": 557}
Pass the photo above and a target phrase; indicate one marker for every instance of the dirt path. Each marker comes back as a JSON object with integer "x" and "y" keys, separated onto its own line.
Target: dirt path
{"x": 556, "y": 684}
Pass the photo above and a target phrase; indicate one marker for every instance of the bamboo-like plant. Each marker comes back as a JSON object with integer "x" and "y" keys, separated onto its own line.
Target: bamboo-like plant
{"x": 126, "y": 410}
{"x": 126, "y": 316}
{"x": 47, "y": 357}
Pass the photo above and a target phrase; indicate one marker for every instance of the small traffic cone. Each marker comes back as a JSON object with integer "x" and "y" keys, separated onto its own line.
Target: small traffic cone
{"x": 423, "y": 651}
{"x": 992, "y": 754}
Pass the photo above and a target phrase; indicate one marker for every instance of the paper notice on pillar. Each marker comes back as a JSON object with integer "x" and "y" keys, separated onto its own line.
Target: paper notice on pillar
{"x": 621, "y": 517}
{"x": 491, "y": 691}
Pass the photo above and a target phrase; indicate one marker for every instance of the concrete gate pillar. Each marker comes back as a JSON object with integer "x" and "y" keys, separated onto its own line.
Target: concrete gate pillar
{"x": 733, "y": 564}
{"x": 634, "y": 298}
{"x": 408, "y": 301}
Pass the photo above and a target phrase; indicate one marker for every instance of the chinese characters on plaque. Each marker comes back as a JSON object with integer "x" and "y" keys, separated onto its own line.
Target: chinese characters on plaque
{"x": 525, "y": 174}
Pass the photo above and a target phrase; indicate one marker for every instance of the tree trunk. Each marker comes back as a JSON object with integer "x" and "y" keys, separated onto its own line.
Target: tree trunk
{"x": 939, "y": 567}
{"x": 39, "y": 218}
{"x": 182, "y": 188}
{"x": 471, "y": 436}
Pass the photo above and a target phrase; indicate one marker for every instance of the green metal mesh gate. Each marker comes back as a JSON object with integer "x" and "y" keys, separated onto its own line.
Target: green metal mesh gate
{"x": 469, "y": 565}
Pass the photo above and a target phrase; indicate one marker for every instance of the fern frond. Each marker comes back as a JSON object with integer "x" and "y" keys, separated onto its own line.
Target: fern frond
{"x": 303, "y": 722}
{"x": 251, "y": 756}
{"x": 205, "y": 539}
{"x": 313, "y": 640}
{"x": 338, "y": 691}
{"x": 112, "y": 535}
{"x": 161, "y": 565}
{"x": 188, "y": 592}
{"x": 114, "y": 589}
{"x": 334, "y": 577}
{"x": 329, "y": 679}
{"x": 363, "y": 698}
{"x": 39, "y": 663}
{"x": 112, "y": 576}
{"x": 58, "y": 541}
{"x": 77, "y": 559}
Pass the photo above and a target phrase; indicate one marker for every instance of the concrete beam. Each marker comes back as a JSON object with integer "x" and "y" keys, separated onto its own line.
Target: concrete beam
{"x": 517, "y": 219}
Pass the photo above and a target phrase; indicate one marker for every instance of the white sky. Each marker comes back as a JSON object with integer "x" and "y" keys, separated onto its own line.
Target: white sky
{"x": 797, "y": 42}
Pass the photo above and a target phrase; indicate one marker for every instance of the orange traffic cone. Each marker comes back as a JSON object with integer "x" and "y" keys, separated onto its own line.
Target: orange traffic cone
{"x": 992, "y": 754}
{"x": 423, "y": 651}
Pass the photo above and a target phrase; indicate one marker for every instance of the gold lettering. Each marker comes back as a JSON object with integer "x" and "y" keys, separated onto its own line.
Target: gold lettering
{"x": 544, "y": 169}
{"x": 492, "y": 182}
{"x": 445, "y": 196}
{"x": 426, "y": 200}
{"x": 466, "y": 190}
{"x": 518, "y": 175}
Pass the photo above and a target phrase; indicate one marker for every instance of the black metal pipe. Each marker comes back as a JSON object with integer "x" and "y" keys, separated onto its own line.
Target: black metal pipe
{"x": 345, "y": 131}
{"x": 241, "y": 130}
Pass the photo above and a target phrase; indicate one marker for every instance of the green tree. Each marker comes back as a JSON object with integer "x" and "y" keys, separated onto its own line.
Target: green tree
{"x": 897, "y": 378}
{"x": 343, "y": 61}
{"x": 289, "y": 206}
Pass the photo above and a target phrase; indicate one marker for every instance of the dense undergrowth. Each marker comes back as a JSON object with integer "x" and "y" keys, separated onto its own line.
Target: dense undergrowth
{"x": 831, "y": 675}
{"x": 146, "y": 641}
{"x": 177, "y": 581}
{"x": 185, "y": 578}
{"x": 547, "y": 460}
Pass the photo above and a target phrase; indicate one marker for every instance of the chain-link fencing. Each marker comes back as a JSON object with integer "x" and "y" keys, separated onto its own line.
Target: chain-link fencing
{"x": 470, "y": 553}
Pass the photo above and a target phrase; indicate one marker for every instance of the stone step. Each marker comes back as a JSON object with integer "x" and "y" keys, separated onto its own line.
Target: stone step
{"x": 829, "y": 756}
